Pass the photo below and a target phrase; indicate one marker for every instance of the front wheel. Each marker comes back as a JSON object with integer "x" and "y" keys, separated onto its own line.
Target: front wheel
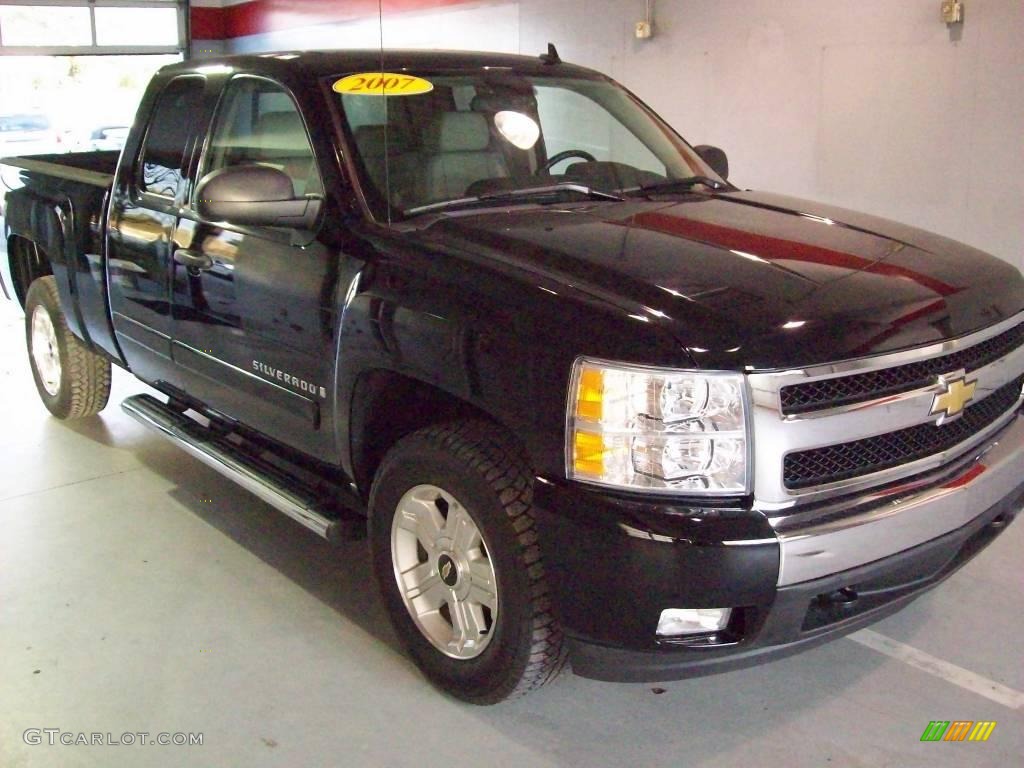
{"x": 455, "y": 554}
{"x": 73, "y": 382}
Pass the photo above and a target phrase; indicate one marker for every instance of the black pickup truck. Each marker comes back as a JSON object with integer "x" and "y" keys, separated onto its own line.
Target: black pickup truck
{"x": 588, "y": 399}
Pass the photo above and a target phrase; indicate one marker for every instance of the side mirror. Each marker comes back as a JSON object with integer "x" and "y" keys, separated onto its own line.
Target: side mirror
{"x": 257, "y": 195}
{"x": 714, "y": 157}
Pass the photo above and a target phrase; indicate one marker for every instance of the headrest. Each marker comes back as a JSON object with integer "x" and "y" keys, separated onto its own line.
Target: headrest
{"x": 282, "y": 130}
{"x": 373, "y": 139}
{"x": 458, "y": 132}
{"x": 505, "y": 100}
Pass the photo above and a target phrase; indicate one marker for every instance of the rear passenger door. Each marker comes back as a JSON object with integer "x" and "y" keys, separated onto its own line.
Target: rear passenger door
{"x": 253, "y": 332}
{"x": 151, "y": 184}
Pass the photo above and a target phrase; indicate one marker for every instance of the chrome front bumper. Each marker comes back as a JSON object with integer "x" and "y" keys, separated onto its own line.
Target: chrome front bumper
{"x": 882, "y": 523}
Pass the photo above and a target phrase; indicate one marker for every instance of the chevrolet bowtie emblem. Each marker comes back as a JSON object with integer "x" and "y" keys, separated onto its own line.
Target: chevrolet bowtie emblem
{"x": 958, "y": 393}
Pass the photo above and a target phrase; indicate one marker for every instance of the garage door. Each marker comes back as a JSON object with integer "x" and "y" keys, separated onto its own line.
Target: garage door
{"x": 73, "y": 71}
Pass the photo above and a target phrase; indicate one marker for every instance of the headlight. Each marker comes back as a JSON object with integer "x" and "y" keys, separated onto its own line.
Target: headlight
{"x": 666, "y": 430}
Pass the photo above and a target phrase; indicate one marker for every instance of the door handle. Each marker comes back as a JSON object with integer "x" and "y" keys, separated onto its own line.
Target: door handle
{"x": 192, "y": 259}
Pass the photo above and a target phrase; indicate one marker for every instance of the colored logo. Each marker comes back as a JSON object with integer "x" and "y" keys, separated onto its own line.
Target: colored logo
{"x": 958, "y": 393}
{"x": 958, "y": 730}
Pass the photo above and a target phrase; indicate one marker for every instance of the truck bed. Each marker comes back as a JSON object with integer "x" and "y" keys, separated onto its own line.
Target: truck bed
{"x": 94, "y": 168}
{"x": 57, "y": 203}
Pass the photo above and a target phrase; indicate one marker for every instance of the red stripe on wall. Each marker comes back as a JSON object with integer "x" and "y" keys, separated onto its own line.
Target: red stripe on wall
{"x": 262, "y": 16}
{"x": 207, "y": 23}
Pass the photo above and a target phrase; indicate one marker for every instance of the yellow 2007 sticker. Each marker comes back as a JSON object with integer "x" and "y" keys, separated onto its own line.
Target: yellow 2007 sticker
{"x": 382, "y": 84}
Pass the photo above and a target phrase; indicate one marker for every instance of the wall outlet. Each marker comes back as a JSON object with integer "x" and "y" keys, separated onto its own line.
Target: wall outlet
{"x": 643, "y": 30}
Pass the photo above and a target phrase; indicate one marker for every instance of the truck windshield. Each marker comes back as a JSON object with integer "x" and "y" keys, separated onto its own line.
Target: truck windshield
{"x": 424, "y": 142}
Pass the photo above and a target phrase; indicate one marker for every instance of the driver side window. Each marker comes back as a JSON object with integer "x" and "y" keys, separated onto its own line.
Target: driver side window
{"x": 258, "y": 124}
{"x": 570, "y": 120}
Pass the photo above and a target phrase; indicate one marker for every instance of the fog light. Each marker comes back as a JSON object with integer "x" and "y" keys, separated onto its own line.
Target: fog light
{"x": 692, "y": 621}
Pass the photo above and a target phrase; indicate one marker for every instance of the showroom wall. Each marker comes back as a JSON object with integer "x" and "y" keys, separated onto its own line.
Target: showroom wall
{"x": 874, "y": 105}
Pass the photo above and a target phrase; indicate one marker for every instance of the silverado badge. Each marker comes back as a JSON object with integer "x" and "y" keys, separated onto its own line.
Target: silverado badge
{"x": 957, "y": 393}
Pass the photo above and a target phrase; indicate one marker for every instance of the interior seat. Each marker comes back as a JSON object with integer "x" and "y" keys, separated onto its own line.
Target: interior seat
{"x": 460, "y": 153}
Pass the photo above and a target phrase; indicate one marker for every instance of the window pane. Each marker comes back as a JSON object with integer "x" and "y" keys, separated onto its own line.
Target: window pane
{"x": 168, "y": 133}
{"x": 258, "y": 123}
{"x": 44, "y": 25}
{"x": 573, "y": 121}
{"x": 136, "y": 26}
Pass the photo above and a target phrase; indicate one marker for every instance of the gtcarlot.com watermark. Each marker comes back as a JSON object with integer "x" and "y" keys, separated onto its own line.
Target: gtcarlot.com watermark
{"x": 56, "y": 736}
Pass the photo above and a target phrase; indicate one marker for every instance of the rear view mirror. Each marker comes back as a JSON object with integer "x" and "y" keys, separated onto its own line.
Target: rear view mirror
{"x": 714, "y": 157}
{"x": 257, "y": 195}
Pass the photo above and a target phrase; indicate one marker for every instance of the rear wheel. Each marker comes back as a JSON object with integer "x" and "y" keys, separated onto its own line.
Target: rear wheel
{"x": 72, "y": 381}
{"x": 455, "y": 553}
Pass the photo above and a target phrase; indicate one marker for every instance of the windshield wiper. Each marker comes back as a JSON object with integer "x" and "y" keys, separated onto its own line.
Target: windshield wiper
{"x": 680, "y": 185}
{"x": 564, "y": 186}
{"x": 515, "y": 194}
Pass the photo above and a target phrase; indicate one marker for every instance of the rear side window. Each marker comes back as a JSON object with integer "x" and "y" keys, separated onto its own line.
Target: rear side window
{"x": 173, "y": 119}
{"x": 257, "y": 123}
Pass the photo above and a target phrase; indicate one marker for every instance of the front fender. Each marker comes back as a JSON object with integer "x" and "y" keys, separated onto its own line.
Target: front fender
{"x": 495, "y": 337}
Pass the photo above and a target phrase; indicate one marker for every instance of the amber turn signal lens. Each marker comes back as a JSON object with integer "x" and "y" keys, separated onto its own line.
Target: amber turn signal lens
{"x": 588, "y": 454}
{"x": 590, "y": 397}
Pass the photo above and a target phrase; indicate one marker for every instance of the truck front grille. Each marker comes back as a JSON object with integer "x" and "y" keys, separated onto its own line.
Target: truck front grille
{"x": 861, "y": 387}
{"x": 862, "y": 457}
{"x": 840, "y": 428}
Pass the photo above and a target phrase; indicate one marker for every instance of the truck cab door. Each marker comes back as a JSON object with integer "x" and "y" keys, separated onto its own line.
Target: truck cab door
{"x": 143, "y": 214}
{"x": 253, "y": 325}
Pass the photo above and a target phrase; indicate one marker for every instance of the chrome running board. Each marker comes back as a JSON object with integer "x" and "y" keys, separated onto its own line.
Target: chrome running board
{"x": 271, "y": 484}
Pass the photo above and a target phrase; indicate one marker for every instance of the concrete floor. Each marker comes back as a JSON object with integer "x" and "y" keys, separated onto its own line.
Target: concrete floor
{"x": 140, "y": 591}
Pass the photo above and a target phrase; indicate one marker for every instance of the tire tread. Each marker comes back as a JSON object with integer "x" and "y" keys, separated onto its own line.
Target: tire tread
{"x": 498, "y": 459}
{"x": 87, "y": 374}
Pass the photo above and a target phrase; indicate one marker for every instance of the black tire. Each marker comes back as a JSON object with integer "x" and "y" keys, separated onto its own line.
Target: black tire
{"x": 83, "y": 386}
{"x": 482, "y": 469}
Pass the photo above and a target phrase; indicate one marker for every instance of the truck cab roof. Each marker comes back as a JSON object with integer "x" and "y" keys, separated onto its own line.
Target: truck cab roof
{"x": 323, "y": 63}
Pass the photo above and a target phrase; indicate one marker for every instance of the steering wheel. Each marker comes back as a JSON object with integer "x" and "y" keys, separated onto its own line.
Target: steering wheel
{"x": 556, "y": 159}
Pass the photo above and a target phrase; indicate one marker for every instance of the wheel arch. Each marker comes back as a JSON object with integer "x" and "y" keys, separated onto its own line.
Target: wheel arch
{"x": 27, "y": 262}
{"x": 387, "y": 405}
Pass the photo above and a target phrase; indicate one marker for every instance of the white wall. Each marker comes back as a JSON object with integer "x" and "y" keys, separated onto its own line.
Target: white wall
{"x": 483, "y": 27}
{"x": 867, "y": 104}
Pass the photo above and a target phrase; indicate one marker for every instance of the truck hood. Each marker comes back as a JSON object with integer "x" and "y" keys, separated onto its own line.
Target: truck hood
{"x": 751, "y": 280}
